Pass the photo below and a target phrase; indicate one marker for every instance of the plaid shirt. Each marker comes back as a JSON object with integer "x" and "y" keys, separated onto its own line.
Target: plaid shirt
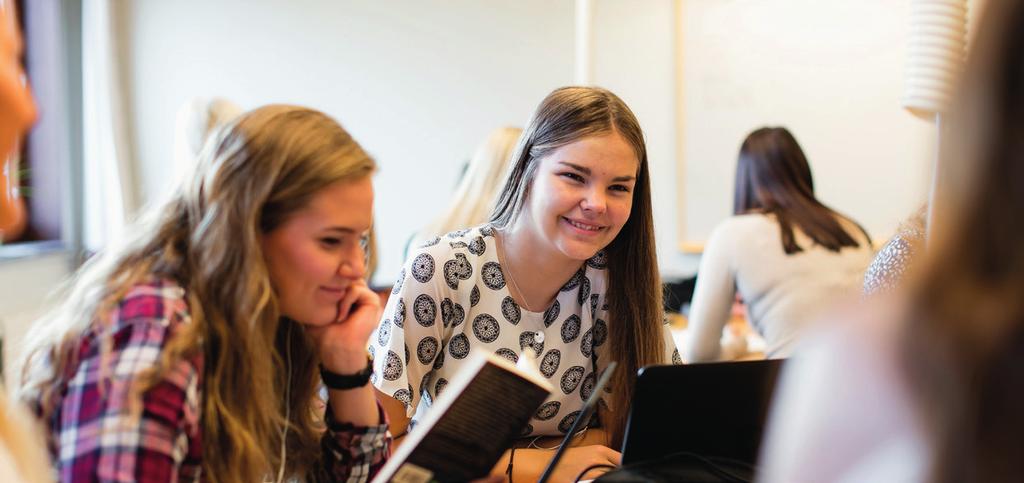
{"x": 93, "y": 436}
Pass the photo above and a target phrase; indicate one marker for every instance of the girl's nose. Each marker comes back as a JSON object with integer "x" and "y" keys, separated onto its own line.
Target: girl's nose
{"x": 595, "y": 201}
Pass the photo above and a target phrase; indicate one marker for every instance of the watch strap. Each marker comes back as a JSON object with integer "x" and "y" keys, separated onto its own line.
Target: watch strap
{"x": 337, "y": 381}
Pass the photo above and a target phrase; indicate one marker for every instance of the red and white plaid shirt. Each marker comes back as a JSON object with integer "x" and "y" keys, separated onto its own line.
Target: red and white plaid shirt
{"x": 94, "y": 438}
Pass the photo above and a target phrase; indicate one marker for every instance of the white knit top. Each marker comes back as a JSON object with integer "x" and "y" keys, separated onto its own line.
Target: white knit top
{"x": 783, "y": 293}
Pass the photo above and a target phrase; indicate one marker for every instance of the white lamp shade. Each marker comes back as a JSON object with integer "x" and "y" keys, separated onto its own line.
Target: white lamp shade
{"x": 936, "y": 48}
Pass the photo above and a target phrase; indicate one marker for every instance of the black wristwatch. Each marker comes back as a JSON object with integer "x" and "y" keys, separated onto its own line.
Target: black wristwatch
{"x": 337, "y": 381}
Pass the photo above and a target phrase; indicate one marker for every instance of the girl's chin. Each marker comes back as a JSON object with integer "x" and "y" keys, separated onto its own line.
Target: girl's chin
{"x": 318, "y": 321}
{"x": 580, "y": 253}
{"x": 318, "y": 324}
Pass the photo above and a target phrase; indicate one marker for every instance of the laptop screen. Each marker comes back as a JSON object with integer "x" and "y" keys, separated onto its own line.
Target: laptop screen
{"x": 711, "y": 410}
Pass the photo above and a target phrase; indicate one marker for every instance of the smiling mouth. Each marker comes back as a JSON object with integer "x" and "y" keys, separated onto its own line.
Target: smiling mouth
{"x": 333, "y": 290}
{"x": 583, "y": 226}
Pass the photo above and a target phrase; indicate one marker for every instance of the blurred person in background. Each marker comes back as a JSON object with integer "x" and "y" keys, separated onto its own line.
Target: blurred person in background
{"x": 22, "y": 453}
{"x": 478, "y": 188}
{"x": 197, "y": 118}
{"x": 894, "y": 262}
{"x": 927, "y": 384}
{"x": 788, "y": 255}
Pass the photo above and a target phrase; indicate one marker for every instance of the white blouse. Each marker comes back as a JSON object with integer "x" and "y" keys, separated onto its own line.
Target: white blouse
{"x": 451, "y": 297}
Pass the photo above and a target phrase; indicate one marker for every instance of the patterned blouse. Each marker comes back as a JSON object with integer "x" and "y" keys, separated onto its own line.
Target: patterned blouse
{"x": 93, "y": 437}
{"x": 891, "y": 263}
{"x": 451, "y": 297}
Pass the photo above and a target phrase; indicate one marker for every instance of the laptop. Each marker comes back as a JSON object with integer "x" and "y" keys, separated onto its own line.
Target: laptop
{"x": 713, "y": 410}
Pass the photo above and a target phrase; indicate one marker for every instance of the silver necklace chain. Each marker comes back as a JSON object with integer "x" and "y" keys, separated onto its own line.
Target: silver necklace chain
{"x": 507, "y": 270}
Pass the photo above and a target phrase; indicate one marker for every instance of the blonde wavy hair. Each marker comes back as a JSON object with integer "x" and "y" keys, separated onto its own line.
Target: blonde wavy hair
{"x": 477, "y": 191}
{"x": 251, "y": 176}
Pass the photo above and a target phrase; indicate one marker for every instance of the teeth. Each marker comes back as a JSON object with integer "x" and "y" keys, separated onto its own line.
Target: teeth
{"x": 583, "y": 226}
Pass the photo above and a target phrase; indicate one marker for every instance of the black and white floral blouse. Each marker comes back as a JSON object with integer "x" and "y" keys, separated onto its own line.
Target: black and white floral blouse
{"x": 451, "y": 296}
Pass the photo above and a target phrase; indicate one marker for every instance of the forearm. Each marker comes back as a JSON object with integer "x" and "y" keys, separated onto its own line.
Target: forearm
{"x": 527, "y": 465}
{"x": 712, "y": 301}
{"x": 708, "y": 318}
{"x": 589, "y": 437}
{"x": 356, "y": 406}
{"x": 398, "y": 422}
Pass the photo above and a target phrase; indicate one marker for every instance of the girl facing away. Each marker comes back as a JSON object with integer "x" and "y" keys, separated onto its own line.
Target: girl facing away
{"x": 193, "y": 349}
{"x": 565, "y": 267}
{"x": 788, "y": 255}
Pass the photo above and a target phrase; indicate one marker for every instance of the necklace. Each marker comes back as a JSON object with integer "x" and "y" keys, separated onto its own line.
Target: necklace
{"x": 507, "y": 270}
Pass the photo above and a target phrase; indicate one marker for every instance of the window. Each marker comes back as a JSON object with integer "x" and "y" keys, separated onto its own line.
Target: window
{"x": 50, "y": 30}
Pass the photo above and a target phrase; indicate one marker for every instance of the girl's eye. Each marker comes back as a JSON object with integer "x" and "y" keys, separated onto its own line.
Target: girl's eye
{"x": 573, "y": 176}
{"x": 620, "y": 187}
{"x": 331, "y": 242}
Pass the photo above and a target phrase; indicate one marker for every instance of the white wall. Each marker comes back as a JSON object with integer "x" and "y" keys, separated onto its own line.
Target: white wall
{"x": 26, "y": 286}
{"x": 420, "y": 82}
{"x": 831, "y": 71}
{"x": 634, "y": 57}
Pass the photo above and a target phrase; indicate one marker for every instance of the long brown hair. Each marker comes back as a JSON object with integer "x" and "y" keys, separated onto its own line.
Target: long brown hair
{"x": 964, "y": 343}
{"x": 251, "y": 177}
{"x": 773, "y": 176}
{"x": 635, "y": 311}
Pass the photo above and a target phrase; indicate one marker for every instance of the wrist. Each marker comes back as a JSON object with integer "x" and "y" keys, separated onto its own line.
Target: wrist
{"x": 349, "y": 379}
{"x": 511, "y": 459}
{"x": 345, "y": 361}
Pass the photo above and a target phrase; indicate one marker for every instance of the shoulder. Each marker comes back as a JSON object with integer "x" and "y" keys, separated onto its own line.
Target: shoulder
{"x": 153, "y": 432}
{"x": 735, "y": 234}
{"x": 742, "y": 225}
{"x": 464, "y": 243}
{"x": 901, "y": 247}
{"x": 856, "y": 231}
{"x": 128, "y": 341}
{"x": 155, "y": 301}
{"x": 450, "y": 258}
{"x": 889, "y": 267}
{"x": 142, "y": 322}
{"x": 465, "y": 239}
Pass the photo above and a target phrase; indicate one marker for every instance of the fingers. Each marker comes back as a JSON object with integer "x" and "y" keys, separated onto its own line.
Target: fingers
{"x": 358, "y": 294}
{"x": 591, "y": 455}
{"x": 614, "y": 457}
{"x": 605, "y": 456}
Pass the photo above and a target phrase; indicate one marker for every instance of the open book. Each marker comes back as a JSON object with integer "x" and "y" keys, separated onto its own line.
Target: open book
{"x": 471, "y": 424}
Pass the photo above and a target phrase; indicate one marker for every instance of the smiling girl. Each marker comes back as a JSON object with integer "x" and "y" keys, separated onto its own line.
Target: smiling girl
{"x": 192, "y": 351}
{"x": 565, "y": 267}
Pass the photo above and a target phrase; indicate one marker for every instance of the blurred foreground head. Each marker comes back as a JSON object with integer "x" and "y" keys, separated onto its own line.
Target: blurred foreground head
{"x": 965, "y": 341}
